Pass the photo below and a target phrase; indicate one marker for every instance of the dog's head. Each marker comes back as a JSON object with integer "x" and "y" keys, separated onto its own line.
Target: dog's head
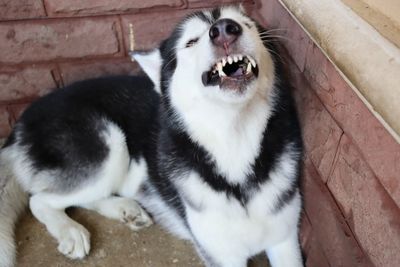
{"x": 217, "y": 55}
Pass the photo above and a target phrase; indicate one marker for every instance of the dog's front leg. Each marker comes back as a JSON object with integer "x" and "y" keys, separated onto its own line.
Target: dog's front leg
{"x": 286, "y": 253}
{"x": 212, "y": 259}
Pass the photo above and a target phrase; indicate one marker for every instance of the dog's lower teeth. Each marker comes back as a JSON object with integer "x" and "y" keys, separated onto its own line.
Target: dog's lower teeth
{"x": 252, "y": 62}
{"x": 248, "y": 70}
{"x": 245, "y": 64}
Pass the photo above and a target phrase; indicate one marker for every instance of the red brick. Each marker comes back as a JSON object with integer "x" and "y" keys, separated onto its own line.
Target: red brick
{"x": 321, "y": 134}
{"x": 378, "y": 147}
{"x": 369, "y": 210}
{"x": 78, "y": 7}
{"x": 213, "y": 3}
{"x": 315, "y": 256}
{"x": 21, "y": 9}
{"x": 71, "y": 72}
{"x": 30, "y": 82}
{"x": 305, "y": 232}
{"x": 51, "y": 39}
{"x": 285, "y": 29}
{"x": 5, "y": 128}
{"x": 159, "y": 25}
{"x": 328, "y": 225}
{"x": 16, "y": 111}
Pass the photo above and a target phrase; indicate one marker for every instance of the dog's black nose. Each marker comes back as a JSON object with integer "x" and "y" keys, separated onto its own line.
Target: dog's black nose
{"x": 224, "y": 32}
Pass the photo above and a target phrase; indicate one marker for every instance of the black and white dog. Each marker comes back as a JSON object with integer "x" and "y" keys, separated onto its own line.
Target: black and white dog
{"x": 210, "y": 147}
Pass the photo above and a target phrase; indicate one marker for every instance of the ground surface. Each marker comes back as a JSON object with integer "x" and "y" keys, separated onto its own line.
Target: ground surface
{"x": 113, "y": 244}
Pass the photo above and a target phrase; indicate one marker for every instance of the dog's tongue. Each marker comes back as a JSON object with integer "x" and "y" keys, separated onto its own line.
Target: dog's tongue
{"x": 238, "y": 72}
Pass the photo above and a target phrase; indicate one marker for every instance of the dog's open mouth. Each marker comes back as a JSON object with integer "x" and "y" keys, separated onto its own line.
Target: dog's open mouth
{"x": 231, "y": 72}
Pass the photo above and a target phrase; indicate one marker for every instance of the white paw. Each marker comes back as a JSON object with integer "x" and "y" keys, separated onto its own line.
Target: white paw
{"x": 74, "y": 241}
{"x": 134, "y": 216}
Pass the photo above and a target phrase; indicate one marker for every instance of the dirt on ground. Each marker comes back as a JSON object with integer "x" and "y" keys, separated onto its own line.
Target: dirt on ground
{"x": 112, "y": 244}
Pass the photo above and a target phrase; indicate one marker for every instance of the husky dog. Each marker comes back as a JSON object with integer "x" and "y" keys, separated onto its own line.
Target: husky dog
{"x": 213, "y": 153}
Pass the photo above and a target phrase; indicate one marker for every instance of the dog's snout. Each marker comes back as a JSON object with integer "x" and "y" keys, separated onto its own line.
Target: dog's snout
{"x": 224, "y": 32}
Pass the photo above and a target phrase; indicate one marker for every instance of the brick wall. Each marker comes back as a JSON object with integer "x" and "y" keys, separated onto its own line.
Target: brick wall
{"x": 351, "y": 181}
{"x": 46, "y": 44}
{"x": 351, "y": 175}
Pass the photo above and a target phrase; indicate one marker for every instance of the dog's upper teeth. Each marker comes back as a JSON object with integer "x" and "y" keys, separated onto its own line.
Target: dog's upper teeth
{"x": 219, "y": 66}
{"x": 223, "y": 62}
{"x": 219, "y": 69}
{"x": 235, "y": 58}
{"x": 240, "y": 57}
{"x": 230, "y": 60}
{"x": 248, "y": 70}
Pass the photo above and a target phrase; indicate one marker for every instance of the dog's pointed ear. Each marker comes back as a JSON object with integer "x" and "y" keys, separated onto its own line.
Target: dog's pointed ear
{"x": 241, "y": 8}
{"x": 150, "y": 62}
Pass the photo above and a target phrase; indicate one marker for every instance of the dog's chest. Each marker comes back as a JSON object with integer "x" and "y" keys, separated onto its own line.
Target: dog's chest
{"x": 219, "y": 220}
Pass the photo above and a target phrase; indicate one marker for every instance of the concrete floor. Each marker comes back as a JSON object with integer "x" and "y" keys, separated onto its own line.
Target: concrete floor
{"x": 112, "y": 244}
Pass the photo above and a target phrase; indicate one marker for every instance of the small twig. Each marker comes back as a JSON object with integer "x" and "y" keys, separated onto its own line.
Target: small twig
{"x": 131, "y": 38}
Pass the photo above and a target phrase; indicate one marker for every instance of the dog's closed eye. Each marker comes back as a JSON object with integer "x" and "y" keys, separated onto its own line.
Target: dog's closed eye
{"x": 192, "y": 42}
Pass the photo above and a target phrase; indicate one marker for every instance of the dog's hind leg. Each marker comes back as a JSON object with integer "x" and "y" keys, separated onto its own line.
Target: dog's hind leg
{"x": 100, "y": 183}
{"x": 123, "y": 209}
{"x": 73, "y": 239}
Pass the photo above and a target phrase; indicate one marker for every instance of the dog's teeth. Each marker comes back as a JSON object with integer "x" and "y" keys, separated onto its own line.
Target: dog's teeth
{"x": 240, "y": 57}
{"x": 221, "y": 73}
{"x": 253, "y": 62}
{"x": 223, "y": 62}
{"x": 219, "y": 66}
{"x": 230, "y": 60}
{"x": 248, "y": 70}
{"x": 235, "y": 58}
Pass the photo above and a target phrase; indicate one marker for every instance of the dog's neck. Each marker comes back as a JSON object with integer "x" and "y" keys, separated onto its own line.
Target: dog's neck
{"x": 231, "y": 133}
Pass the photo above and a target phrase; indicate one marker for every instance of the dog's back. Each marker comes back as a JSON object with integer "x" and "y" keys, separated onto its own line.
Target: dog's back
{"x": 77, "y": 137}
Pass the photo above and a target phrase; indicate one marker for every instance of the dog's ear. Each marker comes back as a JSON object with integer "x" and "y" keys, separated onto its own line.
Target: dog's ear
{"x": 150, "y": 62}
{"x": 241, "y": 8}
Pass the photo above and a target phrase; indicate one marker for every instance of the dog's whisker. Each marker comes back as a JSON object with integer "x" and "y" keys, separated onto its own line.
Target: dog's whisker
{"x": 273, "y": 30}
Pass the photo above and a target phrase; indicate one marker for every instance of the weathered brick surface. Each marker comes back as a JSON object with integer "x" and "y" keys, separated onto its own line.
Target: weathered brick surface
{"x": 74, "y": 38}
{"x": 369, "y": 210}
{"x": 283, "y": 28}
{"x": 316, "y": 256}
{"x": 378, "y": 147}
{"x": 72, "y": 72}
{"x": 30, "y": 82}
{"x": 305, "y": 232}
{"x": 212, "y": 3}
{"x": 328, "y": 225}
{"x": 21, "y": 9}
{"x": 321, "y": 134}
{"x": 4, "y": 122}
{"x": 78, "y": 7}
{"x": 150, "y": 29}
{"x": 15, "y": 111}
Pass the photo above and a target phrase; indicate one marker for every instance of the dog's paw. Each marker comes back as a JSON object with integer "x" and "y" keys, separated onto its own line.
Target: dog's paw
{"x": 74, "y": 241}
{"x": 134, "y": 216}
